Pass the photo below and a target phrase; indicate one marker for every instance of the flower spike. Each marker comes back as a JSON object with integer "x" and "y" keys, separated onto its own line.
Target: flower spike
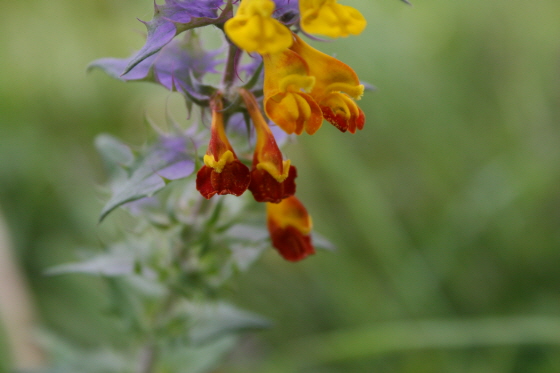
{"x": 289, "y": 226}
{"x": 254, "y": 30}
{"x": 222, "y": 172}
{"x": 272, "y": 178}
{"x": 286, "y": 79}
{"x": 335, "y": 86}
{"x": 326, "y": 17}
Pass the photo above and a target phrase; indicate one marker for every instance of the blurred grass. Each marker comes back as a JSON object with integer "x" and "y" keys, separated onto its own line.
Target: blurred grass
{"x": 445, "y": 206}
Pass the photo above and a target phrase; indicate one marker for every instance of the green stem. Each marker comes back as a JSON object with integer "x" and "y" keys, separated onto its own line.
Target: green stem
{"x": 230, "y": 72}
{"x": 148, "y": 358}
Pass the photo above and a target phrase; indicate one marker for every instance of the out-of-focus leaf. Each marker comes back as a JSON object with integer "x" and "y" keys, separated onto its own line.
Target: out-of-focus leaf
{"x": 210, "y": 322}
{"x": 320, "y": 242}
{"x": 179, "y": 66}
{"x": 113, "y": 150}
{"x": 200, "y": 359}
{"x": 109, "y": 264}
{"x": 69, "y": 358}
{"x": 166, "y": 160}
{"x": 174, "y": 17}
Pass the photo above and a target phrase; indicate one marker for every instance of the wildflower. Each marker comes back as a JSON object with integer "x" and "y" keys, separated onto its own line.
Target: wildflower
{"x": 335, "y": 86}
{"x": 326, "y": 17}
{"x": 289, "y": 226}
{"x": 286, "y": 80}
{"x": 272, "y": 178}
{"x": 222, "y": 172}
{"x": 253, "y": 28}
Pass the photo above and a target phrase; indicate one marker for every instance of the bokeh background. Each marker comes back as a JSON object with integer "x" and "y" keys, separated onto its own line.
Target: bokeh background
{"x": 445, "y": 209}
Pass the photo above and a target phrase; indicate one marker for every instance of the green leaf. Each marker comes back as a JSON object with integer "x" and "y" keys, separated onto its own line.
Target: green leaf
{"x": 109, "y": 264}
{"x": 147, "y": 175}
{"x": 320, "y": 242}
{"x": 200, "y": 359}
{"x": 113, "y": 150}
{"x": 211, "y": 322}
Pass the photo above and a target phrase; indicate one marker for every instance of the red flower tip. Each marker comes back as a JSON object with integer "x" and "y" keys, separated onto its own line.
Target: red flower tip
{"x": 350, "y": 120}
{"x": 234, "y": 179}
{"x": 289, "y": 225}
{"x": 266, "y": 188}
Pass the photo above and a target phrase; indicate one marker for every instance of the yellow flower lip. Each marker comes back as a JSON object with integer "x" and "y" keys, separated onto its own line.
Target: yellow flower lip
{"x": 273, "y": 170}
{"x": 218, "y": 166}
{"x": 254, "y": 30}
{"x": 286, "y": 100}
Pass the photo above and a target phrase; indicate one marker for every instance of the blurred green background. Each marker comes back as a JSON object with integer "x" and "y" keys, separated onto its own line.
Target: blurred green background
{"x": 445, "y": 209}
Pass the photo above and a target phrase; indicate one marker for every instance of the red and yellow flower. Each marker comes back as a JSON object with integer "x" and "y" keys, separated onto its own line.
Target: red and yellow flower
{"x": 289, "y": 226}
{"x": 336, "y": 85}
{"x": 222, "y": 172}
{"x": 272, "y": 178}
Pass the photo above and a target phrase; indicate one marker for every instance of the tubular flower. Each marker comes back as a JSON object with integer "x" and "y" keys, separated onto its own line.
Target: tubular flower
{"x": 254, "y": 30}
{"x": 286, "y": 79}
{"x": 272, "y": 178}
{"x": 222, "y": 172}
{"x": 326, "y": 17}
{"x": 289, "y": 226}
{"x": 335, "y": 86}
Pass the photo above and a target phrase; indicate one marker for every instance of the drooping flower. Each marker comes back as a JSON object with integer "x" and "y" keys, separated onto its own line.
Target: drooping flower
{"x": 327, "y": 17}
{"x": 272, "y": 178}
{"x": 289, "y": 226}
{"x": 253, "y": 28}
{"x": 335, "y": 86}
{"x": 286, "y": 81}
{"x": 222, "y": 172}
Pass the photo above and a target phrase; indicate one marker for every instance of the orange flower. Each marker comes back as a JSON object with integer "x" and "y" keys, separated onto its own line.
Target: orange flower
{"x": 286, "y": 79}
{"x": 222, "y": 172}
{"x": 289, "y": 226}
{"x": 335, "y": 86}
{"x": 272, "y": 178}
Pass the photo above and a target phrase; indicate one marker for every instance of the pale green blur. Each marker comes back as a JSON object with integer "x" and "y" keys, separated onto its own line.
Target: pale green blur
{"x": 445, "y": 209}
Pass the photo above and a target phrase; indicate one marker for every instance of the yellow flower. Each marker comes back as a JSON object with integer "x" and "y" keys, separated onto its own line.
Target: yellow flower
{"x": 254, "y": 30}
{"x": 286, "y": 79}
{"x": 326, "y": 17}
{"x": 335, "y": 86}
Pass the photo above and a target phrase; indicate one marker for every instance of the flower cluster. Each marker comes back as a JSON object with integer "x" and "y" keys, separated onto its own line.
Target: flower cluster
{"x": 294, "y": 85}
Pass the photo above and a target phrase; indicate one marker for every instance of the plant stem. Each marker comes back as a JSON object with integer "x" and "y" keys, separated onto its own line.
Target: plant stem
{"x": 148, "y": 358}
{"x": 230, "y": 72}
